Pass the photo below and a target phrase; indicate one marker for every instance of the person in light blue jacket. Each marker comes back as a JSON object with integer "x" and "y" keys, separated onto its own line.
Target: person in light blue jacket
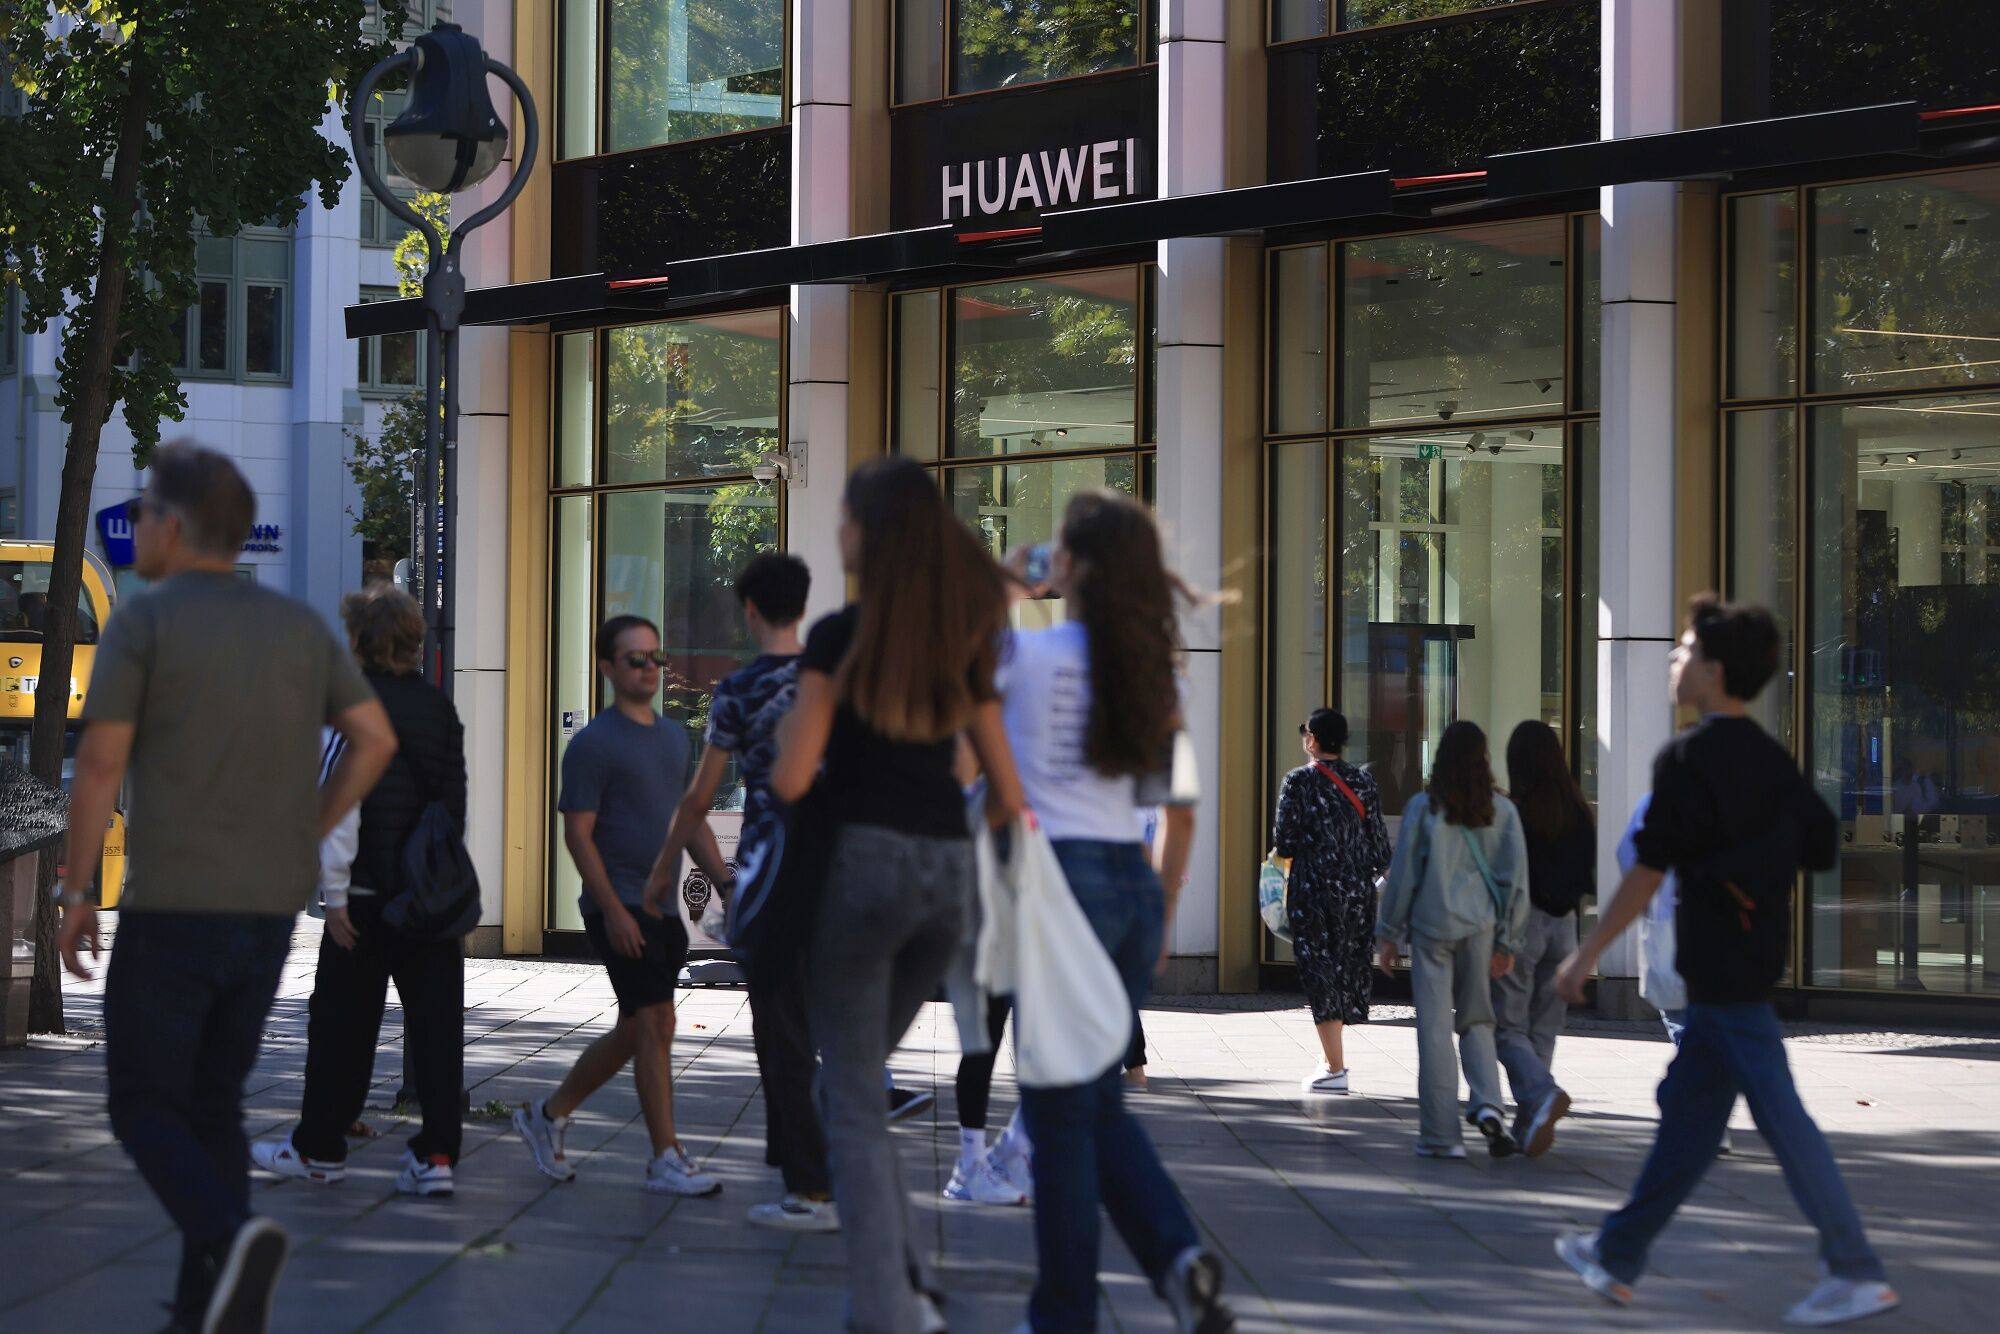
{"x": 1457, "y": 892}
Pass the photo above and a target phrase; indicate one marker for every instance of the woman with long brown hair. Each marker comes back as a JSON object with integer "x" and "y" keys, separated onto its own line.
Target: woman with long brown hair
{"x": 1458, "y": 892}
{"x": 1561, "y": 837}
{"x": 886, "y": 686}
{"x": 1092, "y": 712}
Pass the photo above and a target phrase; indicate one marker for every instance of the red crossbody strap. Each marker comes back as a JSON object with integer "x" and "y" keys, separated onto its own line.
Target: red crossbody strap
{"x": 1345, "y": 790}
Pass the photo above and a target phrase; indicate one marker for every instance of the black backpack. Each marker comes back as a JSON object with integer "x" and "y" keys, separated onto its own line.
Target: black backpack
{"x": 440, "y": 896}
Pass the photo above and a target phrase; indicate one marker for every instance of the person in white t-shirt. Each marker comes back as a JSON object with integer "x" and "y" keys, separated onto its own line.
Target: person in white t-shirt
{"x": 1092, "y": 711}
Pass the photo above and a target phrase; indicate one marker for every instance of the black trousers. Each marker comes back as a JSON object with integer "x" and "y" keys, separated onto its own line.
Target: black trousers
{"x": 794, "y": 1141}
{"x": 348, "y": 998}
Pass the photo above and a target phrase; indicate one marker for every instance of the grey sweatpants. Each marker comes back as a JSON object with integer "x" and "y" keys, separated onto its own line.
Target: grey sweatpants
{"x": 1448, "y": 981}
{"x": 887, "y": 924}
{"x": 1527, "y": 1010}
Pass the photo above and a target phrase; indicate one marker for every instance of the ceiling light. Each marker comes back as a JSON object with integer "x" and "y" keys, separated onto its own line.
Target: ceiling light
{"x": 1882, "y": 462}
{"x": 1957, "y": 454}
{"x": 1543, "y": 385}
{"x": 1062, "y": 430}
{"x": 1524, "y": 436}
{"x": 1909, "y": 458}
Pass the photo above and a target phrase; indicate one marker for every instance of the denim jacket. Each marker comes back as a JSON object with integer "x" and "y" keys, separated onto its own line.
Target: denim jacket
{"x": 1435, "y": 890}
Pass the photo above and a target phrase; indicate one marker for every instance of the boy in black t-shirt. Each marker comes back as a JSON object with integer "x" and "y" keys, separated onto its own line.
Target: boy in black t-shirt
{"x": 1734, "y": 820}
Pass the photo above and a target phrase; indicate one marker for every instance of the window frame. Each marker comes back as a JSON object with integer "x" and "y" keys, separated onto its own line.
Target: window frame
{"x": 236, "y": 355}
{"x": 1336, "y": 32}
{"x": 601, "y": 65}
{"x": 1805, "y": 402}
{"x": 1147, "y": 12}
{"x": 372, "y": 385}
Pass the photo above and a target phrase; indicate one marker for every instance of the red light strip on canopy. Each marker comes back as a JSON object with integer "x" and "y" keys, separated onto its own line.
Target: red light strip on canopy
{"x": 1946, "y": 113}
{"x": 1446, "y": 178}
{"x": 1005, "y": 234}
{"x": 628, "y": 284}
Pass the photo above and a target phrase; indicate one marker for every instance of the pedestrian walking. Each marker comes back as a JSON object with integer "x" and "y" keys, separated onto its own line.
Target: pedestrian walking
{"x": 999, "y": 1173}
{"x": 1329, "y": 825}
{"x": 360, "y": 952}
{"x": 886, "y": 686}
{"x": 1457, "y": 891}
{"x": 622, "y": 778}
{"x": 1561, "y": 837}
{"x": 1734, "y": 820}
{"x": 1092, "y": 710}
{"x": 210, "y": 690}
{"x": 743, "y": 720}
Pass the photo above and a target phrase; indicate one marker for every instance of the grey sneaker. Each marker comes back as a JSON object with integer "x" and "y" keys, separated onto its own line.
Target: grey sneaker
{"x": 674, "y": 1173}
{"x": 795, "y": 1213}
{"x": 543, "y": 1134}
{"x": 1579, "y": 1251}
{"x": 1540, "y": 1133}
{"x": 1835, "y": 1301}
{"x": 1194, "y": 1294}
{"x": 247, "y": 1279}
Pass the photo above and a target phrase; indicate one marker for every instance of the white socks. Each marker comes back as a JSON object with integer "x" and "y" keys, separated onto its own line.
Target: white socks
{"x": 971, "y": 1146}
{"x": 1013, "y": 1142}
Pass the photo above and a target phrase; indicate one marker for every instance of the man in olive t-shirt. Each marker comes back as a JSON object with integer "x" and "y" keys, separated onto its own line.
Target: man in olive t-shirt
{"x": 212, "y": 691}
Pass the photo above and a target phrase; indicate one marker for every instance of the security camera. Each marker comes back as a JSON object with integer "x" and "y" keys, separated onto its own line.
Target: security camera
{"x": 1446, "y": 407}
{"x": 1543, "y": 385}
{"x": 1495, "y": 447}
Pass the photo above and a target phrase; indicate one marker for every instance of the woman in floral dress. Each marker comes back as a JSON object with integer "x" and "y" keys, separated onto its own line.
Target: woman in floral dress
{"x": 1329, "y": 824}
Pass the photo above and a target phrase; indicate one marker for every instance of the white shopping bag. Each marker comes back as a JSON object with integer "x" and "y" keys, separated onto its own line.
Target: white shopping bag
{"x": 1072, "y": 1016}
{"x": 993, "y": 954}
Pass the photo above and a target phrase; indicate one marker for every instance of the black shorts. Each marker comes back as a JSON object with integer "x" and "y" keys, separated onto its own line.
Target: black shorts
{"x": 648, "y": 979}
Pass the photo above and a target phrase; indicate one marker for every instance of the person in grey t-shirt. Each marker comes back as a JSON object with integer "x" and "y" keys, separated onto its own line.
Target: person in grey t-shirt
{"x": 622, "y": 777}
{"x": 212, "y": 691}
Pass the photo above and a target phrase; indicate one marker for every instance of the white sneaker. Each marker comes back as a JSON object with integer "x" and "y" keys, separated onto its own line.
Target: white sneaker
{"x": 1541, "y": 1129}
{"x": 1194, "y": 1294}
{"x": 673, "y": 1173}
{"x": 426, "y": 1177}
{"x": 1456, "y": 1153}
{"x": 1323, "y": 1080}
{"x": 930, "y": 1320}
{"x": 1579, "y": 1251}
{"x": 1017, "y": 1170}
{"x": 247, "y": 1278}
{"x": 982, "y": 1183}
{"x": 1835, "y": 1301}
{"x": 280, "y": 1159}
{"x": 795, "y": 1213}
{"x": 543, "y": 1134}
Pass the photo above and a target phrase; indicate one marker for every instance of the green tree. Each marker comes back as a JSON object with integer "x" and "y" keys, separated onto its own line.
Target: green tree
{"x": 144, "y": 121}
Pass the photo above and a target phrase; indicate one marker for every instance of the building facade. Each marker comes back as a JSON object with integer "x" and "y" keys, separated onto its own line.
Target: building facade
{"x": 1458, "y": 342}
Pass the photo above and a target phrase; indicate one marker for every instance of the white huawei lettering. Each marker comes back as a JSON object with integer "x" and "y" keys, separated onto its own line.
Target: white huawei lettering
{"x": 1051, "y": 178}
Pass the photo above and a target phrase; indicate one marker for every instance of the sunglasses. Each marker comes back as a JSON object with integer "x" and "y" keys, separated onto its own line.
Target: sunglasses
{"x": 639, "y": 662}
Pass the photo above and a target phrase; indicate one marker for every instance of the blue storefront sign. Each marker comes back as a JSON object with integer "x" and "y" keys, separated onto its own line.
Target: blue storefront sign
{"x": 114, "y": 529}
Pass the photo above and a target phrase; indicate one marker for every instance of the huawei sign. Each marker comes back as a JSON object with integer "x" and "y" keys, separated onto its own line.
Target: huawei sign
{"x": 1089, "y": 173}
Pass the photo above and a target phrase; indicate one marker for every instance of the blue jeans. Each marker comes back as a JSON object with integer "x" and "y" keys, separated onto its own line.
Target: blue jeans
{"x": 1726, "y": 1050}
{"x": 184, "y": 1009}
{"x": 1087, "y": 1146}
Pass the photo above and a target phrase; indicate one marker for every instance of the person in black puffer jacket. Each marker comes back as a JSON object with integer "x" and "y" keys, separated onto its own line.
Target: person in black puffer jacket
{"x": 1562, "y": 868}
{"x": 360, "y": 953}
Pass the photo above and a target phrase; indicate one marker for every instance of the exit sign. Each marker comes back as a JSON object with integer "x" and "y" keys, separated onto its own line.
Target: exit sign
{"x": 1427, "y": 451}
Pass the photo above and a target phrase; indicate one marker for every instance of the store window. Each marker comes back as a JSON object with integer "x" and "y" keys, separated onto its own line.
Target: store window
{"x": 653, "y": 511}
{"x": 239, "y": 327}
{"x": 1426, "y": 554}
{"x": 380, "y": 227}
{"x": 388, "y": 362}
{"x": 1863, "y": 505}
{"x": 985, "y": 45}
{"x": 1292, "y": 20}
{"x": 1024, "y": 393}
{"x": 640, "y": 73}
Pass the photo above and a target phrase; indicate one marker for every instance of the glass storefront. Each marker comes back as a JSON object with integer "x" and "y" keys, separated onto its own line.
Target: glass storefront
{"x": 1292, "y": 20}
{"x": 1863, "y": 504}
{"x": 638, "y": 73}
{"x": 653, "y": 510}
{"x": 1056, "y": 366}
{"x": 985, "y": 45}
{"x": 1425, "y": 564}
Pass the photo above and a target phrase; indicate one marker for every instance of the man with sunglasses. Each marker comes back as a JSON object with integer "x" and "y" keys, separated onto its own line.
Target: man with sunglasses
{"x": 622, "y": 777}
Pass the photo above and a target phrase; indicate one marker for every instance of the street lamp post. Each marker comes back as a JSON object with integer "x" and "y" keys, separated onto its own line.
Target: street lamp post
{"x": 448, "y": 139}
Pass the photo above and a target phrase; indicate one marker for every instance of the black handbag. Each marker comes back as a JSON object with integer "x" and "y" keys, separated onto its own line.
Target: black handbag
{"x": 778, "y": 881}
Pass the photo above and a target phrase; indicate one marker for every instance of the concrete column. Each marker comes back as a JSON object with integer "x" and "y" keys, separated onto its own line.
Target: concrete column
{"x": 322, "y": 552}
{"x": 1191, "y": 297}
{"x": 1637, "y": 621}
{"x": 818, "y": 376}
{"x": 483, "y": 541}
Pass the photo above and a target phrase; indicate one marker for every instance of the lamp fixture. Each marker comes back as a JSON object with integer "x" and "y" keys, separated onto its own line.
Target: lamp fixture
{"x": 449, "y": 138}
{"x": 1477, "y": 439}
{"x": 1910, "y": 457}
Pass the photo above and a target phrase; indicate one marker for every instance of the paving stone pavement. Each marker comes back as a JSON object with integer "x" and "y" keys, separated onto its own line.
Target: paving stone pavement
{"x": 1325, "y": 1218}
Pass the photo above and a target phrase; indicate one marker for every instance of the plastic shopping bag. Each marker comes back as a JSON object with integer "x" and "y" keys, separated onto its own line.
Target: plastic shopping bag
{"x": 1072, "y": 1016}
{"x": 993, "y": 954}
{"x": 1271, "y": 899}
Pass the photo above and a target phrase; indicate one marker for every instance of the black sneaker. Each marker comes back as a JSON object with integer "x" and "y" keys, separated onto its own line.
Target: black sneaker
{"x": 247, "y": 1280}
{"x": 1499, "y": 1142}
{"x": 906, "y": 1103}
{"x": 1194, "y": 1293}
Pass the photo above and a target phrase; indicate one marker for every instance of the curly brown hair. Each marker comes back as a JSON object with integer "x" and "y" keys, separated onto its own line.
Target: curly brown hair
{"x": 1124, "y": 596}
{"x": 385, "y": 627}
{"x": 1461, "y": 786}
